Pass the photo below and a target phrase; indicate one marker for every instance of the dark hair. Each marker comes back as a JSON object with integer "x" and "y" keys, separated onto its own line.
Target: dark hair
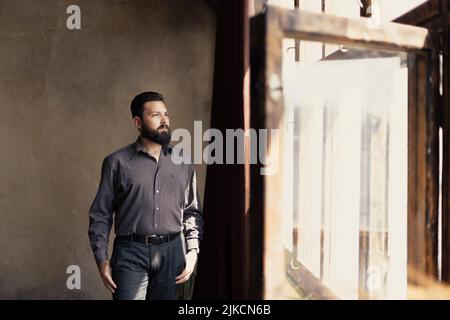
{"x": 137, "y": 105}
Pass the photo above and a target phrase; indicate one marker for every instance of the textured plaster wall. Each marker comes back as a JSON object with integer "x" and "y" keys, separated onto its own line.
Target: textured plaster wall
{"x": 64, "y": 105}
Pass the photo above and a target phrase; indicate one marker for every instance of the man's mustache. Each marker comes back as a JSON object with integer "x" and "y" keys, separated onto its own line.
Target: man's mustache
{"x": 163, "y": 126}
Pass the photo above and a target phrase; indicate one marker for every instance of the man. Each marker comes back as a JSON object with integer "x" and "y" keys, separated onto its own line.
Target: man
{"x": 156, "y": 207}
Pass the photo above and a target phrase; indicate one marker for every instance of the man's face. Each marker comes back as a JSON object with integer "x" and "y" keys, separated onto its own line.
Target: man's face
{"x": 155, "y": 124}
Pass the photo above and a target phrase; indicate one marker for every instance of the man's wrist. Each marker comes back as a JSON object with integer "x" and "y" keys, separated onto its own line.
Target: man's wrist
{"x": 102, "y": 263}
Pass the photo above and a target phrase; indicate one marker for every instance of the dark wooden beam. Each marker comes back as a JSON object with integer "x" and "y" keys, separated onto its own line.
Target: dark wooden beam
{"x": 423, "y": 14}
{"x": 446, "y": 146}
{"x": 364, "y": 12}
{"x": 255, "y": 217}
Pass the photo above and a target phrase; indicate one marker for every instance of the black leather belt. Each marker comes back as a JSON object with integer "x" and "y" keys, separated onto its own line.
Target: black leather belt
{"x": 150, "y": 239}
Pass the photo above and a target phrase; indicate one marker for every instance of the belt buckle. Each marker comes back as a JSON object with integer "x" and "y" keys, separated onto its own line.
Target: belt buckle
{"x": 150, "y": 237}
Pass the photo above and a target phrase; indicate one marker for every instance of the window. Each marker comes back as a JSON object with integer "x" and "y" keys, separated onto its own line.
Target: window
{"x": 345, "y": 169}
{"x": 345, "y": 216}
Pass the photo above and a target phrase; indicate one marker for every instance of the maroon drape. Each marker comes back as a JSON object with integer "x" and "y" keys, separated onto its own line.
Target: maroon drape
{"x": 220, "y": 270}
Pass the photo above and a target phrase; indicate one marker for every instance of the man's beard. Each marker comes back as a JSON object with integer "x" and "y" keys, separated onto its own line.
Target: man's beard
{"x": 162, "y": 138}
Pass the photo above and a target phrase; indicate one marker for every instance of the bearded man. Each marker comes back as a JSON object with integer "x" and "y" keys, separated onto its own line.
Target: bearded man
{"x": 154, "y": 204}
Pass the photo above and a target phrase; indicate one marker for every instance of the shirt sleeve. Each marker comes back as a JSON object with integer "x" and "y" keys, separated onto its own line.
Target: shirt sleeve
{"x": 192, "y": 217}
{"x": 101, "y": 214}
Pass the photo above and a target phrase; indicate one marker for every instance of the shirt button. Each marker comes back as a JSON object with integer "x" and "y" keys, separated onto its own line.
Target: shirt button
{"x": 157, "y": 191}
{"x": 156, "y": 224}
{"x": 157, "y": 208}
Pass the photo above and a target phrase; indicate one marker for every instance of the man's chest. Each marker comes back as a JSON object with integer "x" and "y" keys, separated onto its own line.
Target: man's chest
{"x": 146, "y": 175}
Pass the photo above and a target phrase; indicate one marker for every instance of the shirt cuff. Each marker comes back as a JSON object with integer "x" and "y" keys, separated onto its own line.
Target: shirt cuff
{"x": 192, "y": 244}
{"x": 100, "y": 257}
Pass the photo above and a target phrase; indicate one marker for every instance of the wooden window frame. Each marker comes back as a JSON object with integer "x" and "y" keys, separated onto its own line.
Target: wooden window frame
{"x": 435, "y": 16}
{"x": 268, "y": 29}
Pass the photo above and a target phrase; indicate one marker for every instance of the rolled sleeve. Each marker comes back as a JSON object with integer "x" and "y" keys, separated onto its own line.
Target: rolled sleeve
{"x": 101, "y": 214}
{"x": 192, "y": 217}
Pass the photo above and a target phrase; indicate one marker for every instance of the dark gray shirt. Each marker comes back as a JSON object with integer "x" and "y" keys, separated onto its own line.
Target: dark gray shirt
{"x": 145, "y": 197}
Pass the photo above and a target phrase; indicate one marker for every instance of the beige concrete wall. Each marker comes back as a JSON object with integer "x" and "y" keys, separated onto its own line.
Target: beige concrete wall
{"x": 64, "y": 105}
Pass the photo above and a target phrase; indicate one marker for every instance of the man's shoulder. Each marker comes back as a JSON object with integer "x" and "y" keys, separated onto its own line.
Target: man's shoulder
{"x": 123, "y": 153}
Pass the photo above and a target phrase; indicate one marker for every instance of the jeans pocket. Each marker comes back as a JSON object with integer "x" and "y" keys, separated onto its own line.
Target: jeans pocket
{"x": 181, "y": 258}
{"x": 113, "y": 258}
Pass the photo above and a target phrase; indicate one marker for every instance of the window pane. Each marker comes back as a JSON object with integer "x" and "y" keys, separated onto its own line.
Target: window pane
{"x": 345, "y": 167}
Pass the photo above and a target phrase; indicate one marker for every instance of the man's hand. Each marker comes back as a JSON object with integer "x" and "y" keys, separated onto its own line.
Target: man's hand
{"x": 105, "y": 273}
{"x": 191, "y": 259}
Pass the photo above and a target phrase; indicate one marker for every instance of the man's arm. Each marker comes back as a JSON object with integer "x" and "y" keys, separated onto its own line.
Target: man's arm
{"x": 101, "y": 214}
{"x": 192, "y": 216}
{"x": 193, "y": 228}
{"x": 100, "y": 223}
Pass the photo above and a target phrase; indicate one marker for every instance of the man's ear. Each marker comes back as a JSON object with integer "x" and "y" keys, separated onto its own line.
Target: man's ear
{"x": 137, "y": 122}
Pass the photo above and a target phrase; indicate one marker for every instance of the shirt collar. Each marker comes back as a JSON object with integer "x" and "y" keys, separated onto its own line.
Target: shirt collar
{"x": 138, "y": 146}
